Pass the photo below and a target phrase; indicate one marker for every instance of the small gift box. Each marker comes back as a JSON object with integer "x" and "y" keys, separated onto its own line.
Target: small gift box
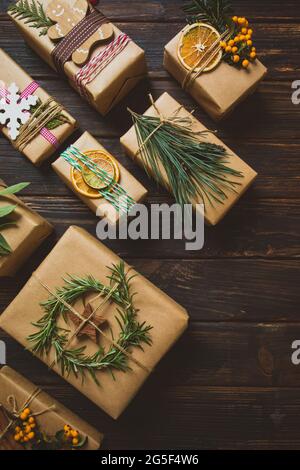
{"x": 30, "y": 419}
{"x": 210, "y": 173}
{"x": 123, "y": 189}
{"x": 23, "y": 230}
{"x": 110, "y": 325}
{"x": 101, "y": 62}
{"x": 223, "y": 73}
{"x": 45, "y": 124}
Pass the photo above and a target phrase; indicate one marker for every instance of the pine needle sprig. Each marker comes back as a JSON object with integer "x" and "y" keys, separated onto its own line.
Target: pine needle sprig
{"x": 33, "y": 13}
{"x": 193, "y": 167}
{"x": 76, "y": 361}
{"x": 214, "y": 12}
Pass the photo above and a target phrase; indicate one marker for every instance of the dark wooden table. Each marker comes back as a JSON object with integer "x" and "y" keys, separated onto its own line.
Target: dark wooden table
{"x": 229, "y": 382}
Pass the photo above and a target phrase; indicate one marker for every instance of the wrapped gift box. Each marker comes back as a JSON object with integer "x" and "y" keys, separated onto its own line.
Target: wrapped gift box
{"x": 39, "y": 148}
{"x": 79, "y": 254}
{"x": 24, "y": 237}
{"x": 14, "y": 384}
{"x": 167, "y": 106}
{"x": 100, "y": 206}
{"x": 114, "y": 81}
{"x": 219, "y": 90}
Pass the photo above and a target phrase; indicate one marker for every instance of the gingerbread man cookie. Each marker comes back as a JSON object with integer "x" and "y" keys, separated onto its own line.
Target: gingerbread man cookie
{"x": 66, "y": 18}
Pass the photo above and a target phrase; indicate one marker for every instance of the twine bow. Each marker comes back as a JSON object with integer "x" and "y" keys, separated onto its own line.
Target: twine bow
{"x": 162, "y": 121}
{"x": 14, "y": 413}
{"x": 89, "y": 320}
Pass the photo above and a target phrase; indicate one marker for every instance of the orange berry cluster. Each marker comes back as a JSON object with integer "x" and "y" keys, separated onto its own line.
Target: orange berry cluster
{"x": 71, "y": 435}
{"x": 25, "y": 431}
{"x": 239, "y": 50}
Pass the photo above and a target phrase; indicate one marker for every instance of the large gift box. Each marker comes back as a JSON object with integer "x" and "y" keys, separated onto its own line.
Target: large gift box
{"x": 24, "y": 232}
{"x": 218, "y": 91}
{"x": 41, "y": 142}
{"x": 135, "y": 322}
{"x": 51, "y": 416}
{"x": 99, "y": 205}
{"x": 114, "y": 67}
{"x": 168, "y": 107}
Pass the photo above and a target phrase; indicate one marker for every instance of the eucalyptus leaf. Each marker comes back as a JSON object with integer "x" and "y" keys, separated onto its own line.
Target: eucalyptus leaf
{"x": 13, "y": 189}
{"x": 6, "y": 210}
{"x": 5, "y": 249}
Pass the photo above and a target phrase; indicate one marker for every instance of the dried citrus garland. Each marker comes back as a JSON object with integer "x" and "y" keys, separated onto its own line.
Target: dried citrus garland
{"x": 28, "y": 433}
{"x": 239, "y": 49}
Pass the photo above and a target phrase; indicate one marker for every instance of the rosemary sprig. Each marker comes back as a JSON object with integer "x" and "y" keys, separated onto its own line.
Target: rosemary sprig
{"x": 5, "y": 248}
{"x": 75, "y": 361}
{"x": 56, "y": 121}
{"x": 33, "y": 13}
{"x": 215, "y": 12}
{"x": 192, "y": 167}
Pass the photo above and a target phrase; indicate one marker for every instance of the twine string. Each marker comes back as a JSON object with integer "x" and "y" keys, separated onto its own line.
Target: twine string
{"x": 90, "y": 321}
{"x": 15, "y": 411}
{"x": 208, "y": 56}
{"x": 162, "y": 120}
{"x": 114, "y": 193}
{"x": 43, "y": 114}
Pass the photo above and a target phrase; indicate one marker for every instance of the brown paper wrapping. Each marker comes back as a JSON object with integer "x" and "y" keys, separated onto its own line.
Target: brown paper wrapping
{"x": 114, "y": 81}
{"x": 25, "y": 237}
{"x": 219, "y": 90}
{"x": 168, "y": 106}
{"x": 100, "y": 206}
{"x": 78, "y": 253}
{"x": 12, "y": 383}
{"x": 38, "y": 149}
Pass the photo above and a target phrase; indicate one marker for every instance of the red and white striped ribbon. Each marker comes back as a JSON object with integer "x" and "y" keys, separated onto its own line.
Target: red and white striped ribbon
{"x": 89, "y": 71}
{"x": 29, "y": 90}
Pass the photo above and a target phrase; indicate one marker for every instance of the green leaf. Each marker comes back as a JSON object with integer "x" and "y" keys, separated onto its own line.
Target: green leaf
{"x": 6, "y": 210}
{"x": 13, "y": 189}
{"x": 5, "y": 249}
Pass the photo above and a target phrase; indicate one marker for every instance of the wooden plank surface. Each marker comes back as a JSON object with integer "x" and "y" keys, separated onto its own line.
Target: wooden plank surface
{"x": 229, "y": 382}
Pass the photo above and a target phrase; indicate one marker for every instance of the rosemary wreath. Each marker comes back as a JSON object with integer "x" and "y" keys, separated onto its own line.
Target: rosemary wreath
{"x": 132, "y": 332}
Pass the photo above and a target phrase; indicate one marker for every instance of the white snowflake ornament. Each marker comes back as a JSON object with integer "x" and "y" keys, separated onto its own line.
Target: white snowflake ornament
{"x": 14, "y": 110}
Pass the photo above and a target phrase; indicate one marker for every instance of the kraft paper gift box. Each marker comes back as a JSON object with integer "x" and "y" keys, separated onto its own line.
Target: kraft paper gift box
{"x": 168, "y": 106}
{"x": 15, "y": 385}
{"x": 219, "y": 90}
{"x": 112, "y": 84}
{"x": 39, "y": 148}
{"x": 24, "y": 237}
{"x": 100, "y": 206}
{"x": 79, "y": 254}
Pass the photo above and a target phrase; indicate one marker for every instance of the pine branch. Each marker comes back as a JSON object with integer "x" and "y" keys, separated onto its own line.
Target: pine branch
{"x": 75, "y": 361}
{"x": 33, "y": 13}
{"x": 192, "y": 167}
{"x": 215, "y": 12}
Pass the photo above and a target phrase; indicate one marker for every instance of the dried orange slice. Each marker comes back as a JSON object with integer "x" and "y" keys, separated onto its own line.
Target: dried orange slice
{"x": 86, "y": 182}
{"x": 194, "y": 43}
